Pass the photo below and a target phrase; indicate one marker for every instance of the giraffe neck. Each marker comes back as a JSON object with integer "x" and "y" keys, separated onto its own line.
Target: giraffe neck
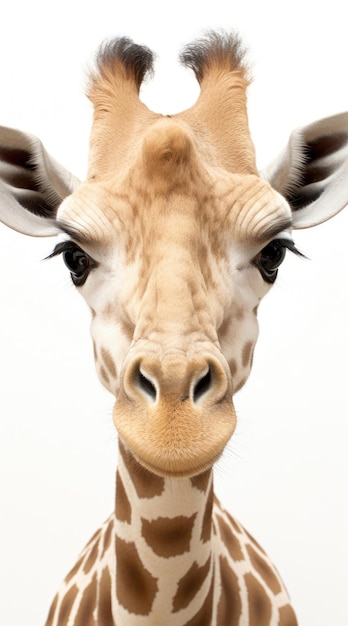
{"x": 170, "y": 555}
{"x": 163, "y": 535}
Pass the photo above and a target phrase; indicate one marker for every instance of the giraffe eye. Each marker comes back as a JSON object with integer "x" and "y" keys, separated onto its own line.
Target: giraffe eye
{"x": 77, "y": 261}
{"x": 270, "y": 258}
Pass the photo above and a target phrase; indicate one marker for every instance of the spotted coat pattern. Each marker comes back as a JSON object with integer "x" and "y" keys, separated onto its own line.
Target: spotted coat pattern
{"x": 173, "y": 240}
{"x": 170, "y": 230}
{"x": 170, "y": 555}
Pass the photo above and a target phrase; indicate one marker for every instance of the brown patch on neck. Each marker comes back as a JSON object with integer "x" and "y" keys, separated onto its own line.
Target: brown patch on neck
{"x": 65, "y": 607}
{"x": 91, "y": 560}
{"x": 265, "y": 571}
{"x": 230, "y": 540}
{"x": 88, "y": 603}
{"x": 230, "y": 604}
{"x": 147, "y": 484}
{"x": 235, "y": 525}
{"x": 136, "y": 588}
{"x": 260, "y": 608}
{"x": 287, "y": 616}
{"x": 104, "y": 604}
{"x": 169, "y": 537}
{"x": 122, "y": 508}
{"x": 207, "y": 518}
{"x": 204, "y": 615}
{"x": 190, "y": 584}
{"x": 201, "y": 481}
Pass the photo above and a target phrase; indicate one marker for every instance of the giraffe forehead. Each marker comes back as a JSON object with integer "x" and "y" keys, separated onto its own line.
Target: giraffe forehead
{"x": 173, "y": 172}
{"x": 215, "y": 210}
{"x": 168, "y": 190}
{"x": 252, "y": 209}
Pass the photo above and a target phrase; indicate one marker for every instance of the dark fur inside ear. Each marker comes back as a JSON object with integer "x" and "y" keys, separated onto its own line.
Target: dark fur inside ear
{"x": 32, "y": 184}
{"x": 317, "y": 165}
{"x": 312, "y": 171}
{"x": 20, "y": 169}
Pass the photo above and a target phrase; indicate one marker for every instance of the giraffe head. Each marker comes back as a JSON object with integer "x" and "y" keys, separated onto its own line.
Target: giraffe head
{"x": 173, "y": 240}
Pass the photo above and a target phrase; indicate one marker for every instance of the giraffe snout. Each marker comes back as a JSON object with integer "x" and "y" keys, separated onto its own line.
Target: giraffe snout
{"x": 175, "y": 414}
{"x": 170, "y": 380}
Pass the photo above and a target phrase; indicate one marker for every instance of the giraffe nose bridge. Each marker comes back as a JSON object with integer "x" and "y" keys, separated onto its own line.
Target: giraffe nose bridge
{"x": 175, "y": 379}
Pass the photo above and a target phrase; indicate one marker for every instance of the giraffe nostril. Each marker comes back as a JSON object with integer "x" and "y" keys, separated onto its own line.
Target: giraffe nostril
{"x": 145, "y": 385}
{"x": 202, "y": 385}
{"x": 163, "y": 383}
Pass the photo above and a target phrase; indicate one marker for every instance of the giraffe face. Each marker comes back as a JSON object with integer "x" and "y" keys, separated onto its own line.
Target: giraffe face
{"x": 169, "y": 257}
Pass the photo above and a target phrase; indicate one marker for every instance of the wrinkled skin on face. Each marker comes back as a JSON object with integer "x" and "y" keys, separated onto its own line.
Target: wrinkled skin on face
{"x": 174, "y": 288}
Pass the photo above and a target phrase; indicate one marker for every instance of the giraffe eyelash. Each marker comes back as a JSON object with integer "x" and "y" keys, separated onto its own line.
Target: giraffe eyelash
{"x": 290, "y": 245}
{"x": 59, "y": 249}
{"x": 78, "y": 262}
{"x": 272, "y": 255}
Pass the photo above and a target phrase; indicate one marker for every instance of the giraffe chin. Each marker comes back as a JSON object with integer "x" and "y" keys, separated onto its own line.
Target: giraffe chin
{"x": 175, "y": 473}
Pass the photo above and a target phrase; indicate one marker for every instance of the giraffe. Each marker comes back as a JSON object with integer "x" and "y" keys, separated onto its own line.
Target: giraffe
{"x": 173, "y": 239}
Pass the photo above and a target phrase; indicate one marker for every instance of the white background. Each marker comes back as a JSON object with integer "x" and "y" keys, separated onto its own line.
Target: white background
{"x": 284, "y": 474}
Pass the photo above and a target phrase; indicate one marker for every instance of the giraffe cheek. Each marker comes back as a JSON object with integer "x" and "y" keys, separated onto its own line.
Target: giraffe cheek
{"x": 110, "y": 347}
{"x": 105, "y": 379}
{"x": 106, "y": 367}
{"x": 239, "y": 352}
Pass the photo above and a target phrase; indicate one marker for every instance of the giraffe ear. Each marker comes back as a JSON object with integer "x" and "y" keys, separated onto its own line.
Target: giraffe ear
{"x": 32, "y": 184}
{"x": 312, "y": 171}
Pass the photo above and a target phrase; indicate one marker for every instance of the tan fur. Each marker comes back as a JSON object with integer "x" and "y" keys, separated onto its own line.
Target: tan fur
{"x": 172, "y": 220}
{"x": 119, "y": 120}
{"x": 173, "y": 214}
{"x": 173, "y": 240}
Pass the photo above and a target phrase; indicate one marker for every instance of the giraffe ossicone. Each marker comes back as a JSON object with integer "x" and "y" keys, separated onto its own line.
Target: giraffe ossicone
{"x": 173, "y": 239}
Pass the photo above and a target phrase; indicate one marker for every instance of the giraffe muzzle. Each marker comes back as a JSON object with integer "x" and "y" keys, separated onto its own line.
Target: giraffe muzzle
{"x": 175, "y": 414}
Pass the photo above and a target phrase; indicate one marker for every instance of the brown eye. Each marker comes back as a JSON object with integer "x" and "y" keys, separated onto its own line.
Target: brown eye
{"x": 269, "y": 260}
